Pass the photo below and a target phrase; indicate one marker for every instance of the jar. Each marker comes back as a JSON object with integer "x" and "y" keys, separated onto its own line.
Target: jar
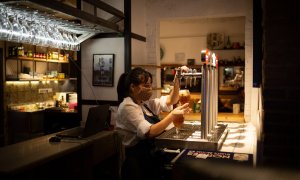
{"x": 29, "y": 53}
{"x": 20, "y": 51}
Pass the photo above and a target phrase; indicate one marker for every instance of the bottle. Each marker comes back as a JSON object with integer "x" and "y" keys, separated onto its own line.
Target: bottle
{"x": 228, "y": 43}
{"x": 194, "y": 106}
{"x": 198, "y": 106}
{"x": 10, "y": 51}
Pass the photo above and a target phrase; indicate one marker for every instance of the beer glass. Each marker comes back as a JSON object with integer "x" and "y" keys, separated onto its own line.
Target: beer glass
{"x": 178, "y": 121}
{"x": 184, "y": 96}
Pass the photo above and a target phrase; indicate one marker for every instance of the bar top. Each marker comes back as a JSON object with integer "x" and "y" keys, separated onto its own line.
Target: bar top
{"x": 29, "y": 154}
{"x": 222, "y": 117}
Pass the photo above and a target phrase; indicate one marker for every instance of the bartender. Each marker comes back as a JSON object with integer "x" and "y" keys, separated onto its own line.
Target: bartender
{"x": 138, "y": 122}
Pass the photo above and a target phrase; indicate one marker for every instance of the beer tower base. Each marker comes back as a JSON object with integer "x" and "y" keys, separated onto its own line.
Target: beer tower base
{"x": 190, "y": 138}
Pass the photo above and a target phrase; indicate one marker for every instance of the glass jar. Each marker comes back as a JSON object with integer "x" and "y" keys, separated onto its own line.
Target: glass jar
{"x": 20, "y": 51}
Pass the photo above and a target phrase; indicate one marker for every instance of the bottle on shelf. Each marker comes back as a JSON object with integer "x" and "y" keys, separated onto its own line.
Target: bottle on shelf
{"x": 228, "y": 43}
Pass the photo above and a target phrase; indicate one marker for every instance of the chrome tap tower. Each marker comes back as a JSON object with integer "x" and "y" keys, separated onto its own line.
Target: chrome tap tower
{"x": 209, "y": 135}
{"x": 209, "y": 91}
{"x": 209, "y": 94}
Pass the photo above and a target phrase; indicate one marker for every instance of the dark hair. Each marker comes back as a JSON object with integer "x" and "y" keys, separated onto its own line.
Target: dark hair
{"x": 240, "y": 90}
{"x": 136, "y": 76}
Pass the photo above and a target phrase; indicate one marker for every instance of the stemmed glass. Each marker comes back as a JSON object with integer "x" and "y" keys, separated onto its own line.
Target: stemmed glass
{"x": 184, "y": 97}
{"x": 178, "y": 122}
{"x": 25, "y": 29}
{"x": 75, "y": 46}
{"x": 5, "y": 25}
{"x": 28, "y": 26}
{"x": 16, "y": 34}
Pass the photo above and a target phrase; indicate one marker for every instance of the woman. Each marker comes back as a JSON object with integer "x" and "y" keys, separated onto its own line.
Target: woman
{"x": 138, "y": 122}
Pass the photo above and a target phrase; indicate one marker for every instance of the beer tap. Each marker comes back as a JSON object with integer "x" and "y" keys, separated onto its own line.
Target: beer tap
{"x": 191, "y": 78}
{"x": 178, "y": 74}
{"x": 185, "y": 80}
{"x": 195, "y": 77}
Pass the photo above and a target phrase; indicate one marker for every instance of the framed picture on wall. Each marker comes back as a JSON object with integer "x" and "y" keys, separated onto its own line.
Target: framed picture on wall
{"x": 103, "y": 70}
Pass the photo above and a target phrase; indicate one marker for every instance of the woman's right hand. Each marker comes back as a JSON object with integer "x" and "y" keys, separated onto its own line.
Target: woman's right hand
{"x": 183, "y": 109}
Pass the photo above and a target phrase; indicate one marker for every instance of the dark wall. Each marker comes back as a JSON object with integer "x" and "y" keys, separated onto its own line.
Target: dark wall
{"x": 280, "y": 83}
{"x": 2, "y": 140}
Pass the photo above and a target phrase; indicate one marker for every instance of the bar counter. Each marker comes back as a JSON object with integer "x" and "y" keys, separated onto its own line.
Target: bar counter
{"x": 222, "y": 117}
{"x": 40, "y": 159}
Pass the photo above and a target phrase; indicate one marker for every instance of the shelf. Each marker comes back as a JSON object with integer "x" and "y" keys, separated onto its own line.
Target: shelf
{"x": 52, "y": 79}
{"x": 145, "y": 65}
{"x": 228, "y": 49}
{"x": 36, "y": 59}
{"x": 179, "y": 65}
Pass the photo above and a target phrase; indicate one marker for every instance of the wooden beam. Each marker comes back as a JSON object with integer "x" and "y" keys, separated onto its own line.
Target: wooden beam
{"x": 106, "y": 7}
{"x": 58, "y": 6}
{"x": 127, "y": 35}
{"x": 108, "y": 35}
{"x": 138, "y": 37}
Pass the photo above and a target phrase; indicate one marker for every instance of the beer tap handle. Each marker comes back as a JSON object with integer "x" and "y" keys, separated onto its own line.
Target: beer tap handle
{"x": 178, "y": 75}
{"x": 195, "y": 77}
{"x": 190, "y": 71}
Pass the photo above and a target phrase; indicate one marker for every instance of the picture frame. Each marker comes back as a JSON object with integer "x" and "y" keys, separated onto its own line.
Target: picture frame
{"x": 215, "y": 41}
{"x": 103, "y": 70}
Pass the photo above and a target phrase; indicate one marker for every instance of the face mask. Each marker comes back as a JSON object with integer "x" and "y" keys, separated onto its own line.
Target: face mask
{"x": 145, "y": 94}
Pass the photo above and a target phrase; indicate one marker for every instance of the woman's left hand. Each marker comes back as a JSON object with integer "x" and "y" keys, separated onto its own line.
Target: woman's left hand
{"x": 184, "y": 68}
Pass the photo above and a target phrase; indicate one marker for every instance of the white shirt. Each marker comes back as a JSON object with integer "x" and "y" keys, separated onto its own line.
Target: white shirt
{"x": 131, "y": 123}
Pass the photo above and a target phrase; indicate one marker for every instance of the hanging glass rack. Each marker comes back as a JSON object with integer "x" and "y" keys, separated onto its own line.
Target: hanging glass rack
{"x": 49, "y": 23}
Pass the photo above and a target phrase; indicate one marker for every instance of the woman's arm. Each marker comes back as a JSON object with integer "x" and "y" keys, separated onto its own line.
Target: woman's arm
{"x": 174, "y": 95}
{"x": 158, "y": 128}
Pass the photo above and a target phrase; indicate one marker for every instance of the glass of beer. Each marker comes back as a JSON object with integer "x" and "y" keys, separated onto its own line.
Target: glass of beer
{"x": 184, "y": 96}
{"x": 178, "y": 122}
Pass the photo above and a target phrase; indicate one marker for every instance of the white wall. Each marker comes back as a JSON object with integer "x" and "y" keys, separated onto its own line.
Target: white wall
{"x": 138, "y": 13}
{"x": 189, "y": 36}
{"x": 101, "y": 46}
{"x": 138, "y": 52}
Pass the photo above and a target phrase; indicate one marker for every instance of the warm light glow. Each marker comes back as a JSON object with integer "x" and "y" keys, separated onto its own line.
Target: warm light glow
{"x": 34, "y": 82}
{"x": 17, "y": 82}
{"x": 213, "y": 59}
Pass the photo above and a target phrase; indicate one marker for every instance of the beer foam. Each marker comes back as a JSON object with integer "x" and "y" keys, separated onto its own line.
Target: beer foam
{"x": 178, "y": 112}
{"x": 184, "y": 92}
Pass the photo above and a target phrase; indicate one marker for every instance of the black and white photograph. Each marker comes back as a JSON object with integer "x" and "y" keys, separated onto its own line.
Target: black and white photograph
{"x": 103, "y": 70}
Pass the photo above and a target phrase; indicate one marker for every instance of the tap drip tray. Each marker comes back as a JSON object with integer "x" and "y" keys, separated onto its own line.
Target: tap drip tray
{"x": 190, "y": 138}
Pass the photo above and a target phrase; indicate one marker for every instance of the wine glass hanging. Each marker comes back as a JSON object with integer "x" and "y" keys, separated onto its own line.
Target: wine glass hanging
{"x": 42, "y": 29}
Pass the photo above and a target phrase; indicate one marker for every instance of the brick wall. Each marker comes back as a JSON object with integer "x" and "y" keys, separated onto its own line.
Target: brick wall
{"x": 281, "y": 85}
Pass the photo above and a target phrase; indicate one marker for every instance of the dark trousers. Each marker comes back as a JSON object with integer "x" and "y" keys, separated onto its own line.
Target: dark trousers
{"x": 142, "y": 162}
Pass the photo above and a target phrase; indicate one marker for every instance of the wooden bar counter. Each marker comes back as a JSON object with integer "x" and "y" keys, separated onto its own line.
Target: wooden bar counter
{"x": 69, "y": 159}
{"x": 222, "y": 117}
